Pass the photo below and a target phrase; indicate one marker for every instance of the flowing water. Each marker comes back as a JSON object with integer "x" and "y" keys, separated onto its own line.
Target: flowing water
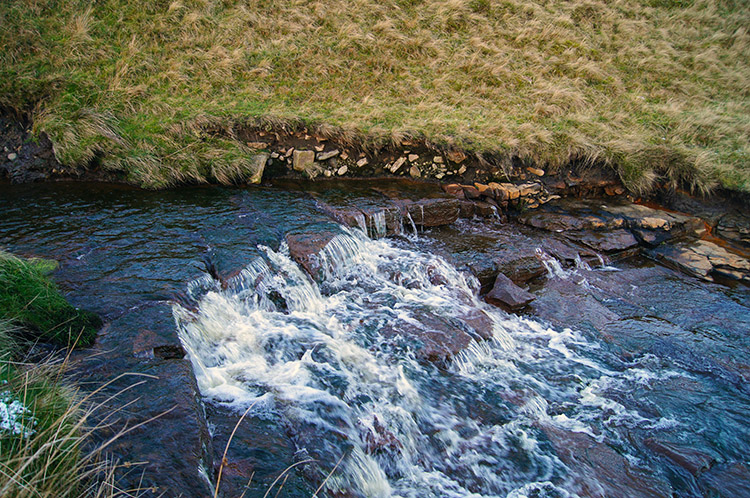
{"x": 529, "y": 407}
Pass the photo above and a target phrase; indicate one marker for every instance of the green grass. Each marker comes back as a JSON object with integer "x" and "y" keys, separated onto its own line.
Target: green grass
{"x": 657, "y": 89}
{"x": 44, "y": 436}
{"x": 29, "y": 298}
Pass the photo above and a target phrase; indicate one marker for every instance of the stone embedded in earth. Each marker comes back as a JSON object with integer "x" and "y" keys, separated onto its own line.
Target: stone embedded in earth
{"x": 12, "y": 156}
{"x": 362, "y": 162}
{"x": 413, "y": 157}
{"x": 303, "y": 160}
{"x": 342, "y": 170}
{"x": 397, "y": 165}
{"x": 455, "y": 156}
{"x": 437, "y": 160}
{"x": 471, "y": 192}
{"x": 414, "y": 172}
{"x": 324, "y": 156}
{"x": 484, "y": 190}
{"x": 535, "y": 171}
{"x": 508, "y": 295}
{"x": 528, "y": 189}
{"x": 455, "y": 190}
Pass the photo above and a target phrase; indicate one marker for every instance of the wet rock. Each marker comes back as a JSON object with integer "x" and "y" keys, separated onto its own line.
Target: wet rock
{"x": 455, "y": 190}
{"x": 508, "y": 295}
{"x": 433, "y": 212}
{"x": 600, "y": 471}
{"x": 730, "y": 480}
{"x": 688, "y": 458}
{"x": 139, "y": 365}
{"x": 435, "y": 339}
{"x": 305, "y": 247}
{"x": 646, "y": 218}
{"x": 467, "y": 209}
{"x": 565, "y": 303}
{"x": 560, "y": 222}
{"x": 259, "y": 452}
{"x": 485, "y": 209}
{"x": 477, "y": 321}
{"x": 608, "y": 242}
{"x": 735, "y": 227}
{"x": 704, "y": 260}
{"x": 520, "y": 267}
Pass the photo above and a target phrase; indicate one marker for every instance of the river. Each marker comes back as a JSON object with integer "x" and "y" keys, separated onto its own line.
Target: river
{"x": 642, "y": 394}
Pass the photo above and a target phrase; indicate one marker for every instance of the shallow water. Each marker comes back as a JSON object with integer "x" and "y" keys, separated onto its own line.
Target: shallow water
{"x": 625, "y": 380}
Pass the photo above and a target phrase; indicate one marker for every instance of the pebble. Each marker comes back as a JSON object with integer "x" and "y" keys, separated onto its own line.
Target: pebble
{"x": 413, "y": 157}
{"x": 342, "y": 170}
{"x": 12, "y": 156}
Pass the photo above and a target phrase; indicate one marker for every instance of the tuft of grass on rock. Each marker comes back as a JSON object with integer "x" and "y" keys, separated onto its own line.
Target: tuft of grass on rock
{"x": 153, "y": 90}
{"x": 29, "y": 298}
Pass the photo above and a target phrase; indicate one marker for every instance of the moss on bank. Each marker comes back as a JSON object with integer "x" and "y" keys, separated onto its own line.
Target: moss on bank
{"x": 29, "y": 298}
{"x": 153, "y": 90}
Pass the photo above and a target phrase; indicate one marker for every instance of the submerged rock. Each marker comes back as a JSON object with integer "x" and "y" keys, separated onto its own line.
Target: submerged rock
{"x": 305, "y": 248}
{"x": 142, "y": 377}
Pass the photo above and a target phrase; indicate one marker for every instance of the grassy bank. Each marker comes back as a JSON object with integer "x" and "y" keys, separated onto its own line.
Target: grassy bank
{"x": 44, "y": 449}
{"x": 653, "y": 88}
{"x": 30, "y": 299}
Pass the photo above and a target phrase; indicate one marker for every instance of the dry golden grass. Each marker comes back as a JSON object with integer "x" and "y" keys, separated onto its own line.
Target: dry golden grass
{"x": 654, "y": 88}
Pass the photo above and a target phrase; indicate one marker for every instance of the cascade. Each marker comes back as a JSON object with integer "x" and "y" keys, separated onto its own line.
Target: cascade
{"x": 333, "y": 366}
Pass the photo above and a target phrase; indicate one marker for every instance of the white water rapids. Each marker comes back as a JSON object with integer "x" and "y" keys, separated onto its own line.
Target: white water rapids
{"x": 328, "y": 359}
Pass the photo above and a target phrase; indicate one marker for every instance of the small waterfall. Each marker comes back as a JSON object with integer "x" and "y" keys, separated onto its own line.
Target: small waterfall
{"x": 378, "y": 227}
{"x": 339, "y": 364}
{"x": 411, "y": 223}
{"x": 361, "y": 222}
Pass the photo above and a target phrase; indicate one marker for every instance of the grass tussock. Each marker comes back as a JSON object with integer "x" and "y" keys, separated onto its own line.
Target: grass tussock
{"x": 44, "y": 450}
{"x": 653, "y": 88}
{"x": 29, "y": 298}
